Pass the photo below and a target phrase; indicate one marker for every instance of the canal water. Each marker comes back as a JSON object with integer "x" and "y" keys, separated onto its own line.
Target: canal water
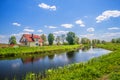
{"x": 18, "y": 67}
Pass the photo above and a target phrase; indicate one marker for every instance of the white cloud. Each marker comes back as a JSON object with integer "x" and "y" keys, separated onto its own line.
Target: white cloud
{"x": 85, "y": 16}
{"x": 107, "y": 14}
{"x": 28, "y": 30}
{"x": 113, "y": 28}
{"x": 91, "y": 29}
{"x": 80, "y": 22}
{"x": 87, "y": 35}
{"x": 111, "y": 34}
{"x": 2, "y": 36}
{"x": 19, "y": 34}
{"x": 40, "y": 30}
{"x": 45, "y": 6}
{"x": 16, "y": 24}
{"x": 108, "y": 36}
{"x": 52, "y": 27}
{"x": 15, "y": 65}
{"x": 67, "y": 25}
{"x": 60, "y": 32}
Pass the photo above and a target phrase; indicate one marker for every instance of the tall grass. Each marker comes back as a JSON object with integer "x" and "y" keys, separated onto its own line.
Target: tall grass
{"x": 106, "y": 67}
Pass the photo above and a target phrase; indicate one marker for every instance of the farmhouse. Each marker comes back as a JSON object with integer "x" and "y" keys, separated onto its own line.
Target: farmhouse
{"x": 31, "y": 40}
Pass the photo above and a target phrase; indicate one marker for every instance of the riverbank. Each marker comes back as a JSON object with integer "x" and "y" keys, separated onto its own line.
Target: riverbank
{"x": 106, "y": 67}
{"x": 44, "y": 50}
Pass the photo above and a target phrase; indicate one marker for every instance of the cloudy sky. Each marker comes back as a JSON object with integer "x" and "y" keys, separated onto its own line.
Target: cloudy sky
{"x": 87, "y": 18}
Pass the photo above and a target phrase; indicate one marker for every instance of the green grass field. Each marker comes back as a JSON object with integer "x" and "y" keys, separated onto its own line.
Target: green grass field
{"x": 106, "y": 67}
{"x": 6, "y": 52}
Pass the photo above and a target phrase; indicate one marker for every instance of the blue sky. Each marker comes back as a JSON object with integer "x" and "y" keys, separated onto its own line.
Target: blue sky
{"x": 87, "y": 18}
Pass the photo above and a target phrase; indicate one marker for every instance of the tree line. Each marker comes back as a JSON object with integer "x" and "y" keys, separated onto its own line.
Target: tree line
{"x": 70, "y": 38}
{"x": 115, "y": 40}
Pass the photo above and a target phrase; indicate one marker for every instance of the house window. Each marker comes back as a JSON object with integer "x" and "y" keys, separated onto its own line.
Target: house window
{"x": 37, "y": 44}
{"x": 36, "y": 39}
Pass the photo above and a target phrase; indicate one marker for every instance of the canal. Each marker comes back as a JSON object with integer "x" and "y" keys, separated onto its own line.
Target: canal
{"x": 18, "y": 67}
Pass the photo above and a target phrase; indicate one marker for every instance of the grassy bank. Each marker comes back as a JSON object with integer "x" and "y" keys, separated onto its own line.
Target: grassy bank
{"x": 35, "y": 50}
{"x": 106, "y": 67}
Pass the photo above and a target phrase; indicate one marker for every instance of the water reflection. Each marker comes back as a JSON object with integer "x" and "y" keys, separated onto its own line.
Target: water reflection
{"x": 85, "y": 48}
{"x": 30, "y": 59}
{"x": 51, "y": 57}
{"x": 20, "y": 66}
{"x": 70, "y": 54}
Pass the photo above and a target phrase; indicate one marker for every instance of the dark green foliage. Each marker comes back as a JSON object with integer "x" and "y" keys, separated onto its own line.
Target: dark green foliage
{"x": 71, "y": 38}
{"x": 50, "y": 38}
{"x": 12, "y": 40}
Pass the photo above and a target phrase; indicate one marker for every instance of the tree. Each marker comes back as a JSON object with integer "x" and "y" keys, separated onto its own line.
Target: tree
{"x": 103, "y": 41}
{"x": 12, "y": 40}
{"x": 85, "y": 41}
{"x": 58, "y": 40}
{"x": 77, "y": 40}
{"x": 95, "y": 41}
{"x": 43, "y": 38}
{"x": 118, "y": 40}
{"x": 70, "y": 37}
{"x": 50, "y": 38}
{"x": 113, "y": 40}
{"x": 63, "y": 38}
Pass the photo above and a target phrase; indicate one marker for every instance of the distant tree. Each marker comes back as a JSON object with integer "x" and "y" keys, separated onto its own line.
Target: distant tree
{"x": 95, "y": 41}
{"x": 85, "y": 41}
{"x": 50, "y": 38}
{"x": 43, "y": 38}
{"x": 113, "y": 40}
{"x": 118, "y": 40}
{"x": 98, "y": 41}
{"x": 70, "y": 37}
{"x": 12, "y": 40}
{"x": 103, "y": 41}
{"x": 58, "y": 40}
{"x": 63, "y": 38}
{"x": 77, "y": 40}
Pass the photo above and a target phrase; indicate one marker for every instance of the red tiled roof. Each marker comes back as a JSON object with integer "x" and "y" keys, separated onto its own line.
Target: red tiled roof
{"x": 31, "y": 37}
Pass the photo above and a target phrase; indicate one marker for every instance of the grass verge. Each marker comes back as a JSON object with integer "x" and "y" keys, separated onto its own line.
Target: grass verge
{"x": 44, "y": 50}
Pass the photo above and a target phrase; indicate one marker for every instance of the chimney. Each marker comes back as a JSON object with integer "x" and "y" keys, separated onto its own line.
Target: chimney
{"x": 32, "y": 37}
